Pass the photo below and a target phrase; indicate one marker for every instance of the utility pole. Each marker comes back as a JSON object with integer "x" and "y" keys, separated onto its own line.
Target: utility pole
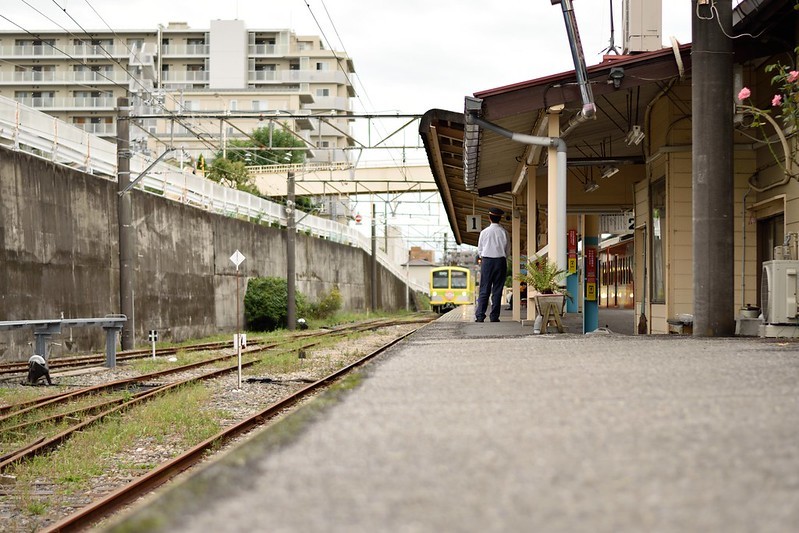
{"x": 291, "y": 267}
{"x": 374, "y": 258}
{"x": 127, "y": 237}
{"x": 712, "y": 170}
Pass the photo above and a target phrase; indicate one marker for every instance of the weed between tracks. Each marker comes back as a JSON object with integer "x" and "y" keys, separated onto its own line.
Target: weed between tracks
{"x": 173, "y": 422}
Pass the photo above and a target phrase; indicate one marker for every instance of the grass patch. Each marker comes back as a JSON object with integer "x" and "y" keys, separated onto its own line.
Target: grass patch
{"x": 283, "y": 362}
{"x": 177, "y": 418}
{"x": 14, "y": 395}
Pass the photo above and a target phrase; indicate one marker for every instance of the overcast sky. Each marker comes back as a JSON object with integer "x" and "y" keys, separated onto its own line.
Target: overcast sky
{"x": 410, "y": 55}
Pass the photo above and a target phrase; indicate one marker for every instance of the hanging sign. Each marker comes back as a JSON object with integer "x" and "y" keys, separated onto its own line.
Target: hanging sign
{"x": 590, "y": 273}
{"x": 571, "y": 249}
{"x": 617, "y": 223}
{"x": 473, "y": 223}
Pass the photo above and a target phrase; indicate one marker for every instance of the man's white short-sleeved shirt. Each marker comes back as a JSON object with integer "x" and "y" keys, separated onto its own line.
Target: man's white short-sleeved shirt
{"x": 493, "y": 242}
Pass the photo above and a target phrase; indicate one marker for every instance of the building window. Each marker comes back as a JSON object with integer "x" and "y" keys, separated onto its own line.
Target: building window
{"x": 658, "y": 196}
{"x": 321, "y": 66}
{"x": 322, "y": 92}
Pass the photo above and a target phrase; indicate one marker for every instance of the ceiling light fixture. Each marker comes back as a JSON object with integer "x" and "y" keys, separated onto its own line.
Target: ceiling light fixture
{"x": 616, "y": 76}
{"x": 608, "y": 171}
{"x": 590, "y": 186}
{"x": 634, "y": 136}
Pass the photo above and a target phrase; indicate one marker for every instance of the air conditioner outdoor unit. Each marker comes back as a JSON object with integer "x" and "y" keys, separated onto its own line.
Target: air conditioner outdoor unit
{"x": 778, "y": 290}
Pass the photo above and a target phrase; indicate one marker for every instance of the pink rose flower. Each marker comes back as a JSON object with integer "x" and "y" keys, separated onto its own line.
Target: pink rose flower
{"x": 744, "y": 94}
{"x": 776, "y": 101}
{"x": 792, "y": 76}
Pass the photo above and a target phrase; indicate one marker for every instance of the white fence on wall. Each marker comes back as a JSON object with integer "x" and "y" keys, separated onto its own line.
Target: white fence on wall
{"x": 26, "y": 129}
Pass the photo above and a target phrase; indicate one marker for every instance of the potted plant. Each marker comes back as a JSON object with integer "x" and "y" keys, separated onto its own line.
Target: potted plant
{"x": 544, "y": 277}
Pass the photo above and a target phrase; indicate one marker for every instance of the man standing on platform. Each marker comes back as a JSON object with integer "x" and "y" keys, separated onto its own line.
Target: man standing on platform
{"x": 493, "y": 248}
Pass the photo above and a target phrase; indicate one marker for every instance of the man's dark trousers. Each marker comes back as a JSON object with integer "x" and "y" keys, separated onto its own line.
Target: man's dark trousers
{"x": 492, "y": 279}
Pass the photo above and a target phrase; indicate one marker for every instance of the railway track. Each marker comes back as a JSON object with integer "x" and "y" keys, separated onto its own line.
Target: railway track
{"x": 159, "y": 475}
{"x": 93, "y": 360}
{"x": 88, "y": 415}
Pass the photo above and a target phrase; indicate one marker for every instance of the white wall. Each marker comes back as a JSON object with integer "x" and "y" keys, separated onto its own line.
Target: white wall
{"x": 228, "y": 55}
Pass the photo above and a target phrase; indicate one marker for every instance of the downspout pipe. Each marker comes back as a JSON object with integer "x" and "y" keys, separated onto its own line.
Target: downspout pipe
{"x": 559, "y": 254}
{"x": 589, "y": 107}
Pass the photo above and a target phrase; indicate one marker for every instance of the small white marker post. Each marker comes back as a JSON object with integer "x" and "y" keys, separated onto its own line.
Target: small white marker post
{"x": 237, "y": 259}
{"x": 153, "y": 337}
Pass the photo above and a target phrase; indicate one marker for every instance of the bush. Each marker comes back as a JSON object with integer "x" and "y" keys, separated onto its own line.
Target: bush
{"x": 266, "y": 304}
{"x": 328, "y": 305}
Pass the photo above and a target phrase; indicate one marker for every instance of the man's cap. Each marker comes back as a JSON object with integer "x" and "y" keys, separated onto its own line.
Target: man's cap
{"x": 496, "y": 211}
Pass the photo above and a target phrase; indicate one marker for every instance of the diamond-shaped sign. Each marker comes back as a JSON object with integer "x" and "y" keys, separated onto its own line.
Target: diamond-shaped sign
{"x": 237, "y": 258}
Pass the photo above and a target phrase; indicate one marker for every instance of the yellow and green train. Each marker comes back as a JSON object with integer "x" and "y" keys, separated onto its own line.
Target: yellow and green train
{"x": 450, "y": 286}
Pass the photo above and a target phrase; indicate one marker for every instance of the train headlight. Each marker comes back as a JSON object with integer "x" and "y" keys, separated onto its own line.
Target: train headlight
{"x": 435, "y": 293}
{"x": 464, "y": 293}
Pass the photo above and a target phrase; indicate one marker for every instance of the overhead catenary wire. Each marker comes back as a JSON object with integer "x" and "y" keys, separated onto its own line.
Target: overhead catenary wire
{"x": 397, "y": 164}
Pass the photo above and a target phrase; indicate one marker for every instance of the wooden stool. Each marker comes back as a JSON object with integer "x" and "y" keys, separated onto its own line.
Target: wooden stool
{"x": 550, "y": 314}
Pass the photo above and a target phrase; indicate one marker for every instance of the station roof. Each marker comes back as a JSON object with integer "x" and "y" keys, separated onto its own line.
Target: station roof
{"x": 521, "y": 108}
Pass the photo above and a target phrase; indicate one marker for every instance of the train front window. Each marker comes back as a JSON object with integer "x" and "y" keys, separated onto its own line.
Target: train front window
{"x": 441, "y": 279}
{"x": 458, "y": 280}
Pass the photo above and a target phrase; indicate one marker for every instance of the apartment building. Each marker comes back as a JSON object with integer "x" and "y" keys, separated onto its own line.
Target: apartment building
{"x": 177, "y": 75}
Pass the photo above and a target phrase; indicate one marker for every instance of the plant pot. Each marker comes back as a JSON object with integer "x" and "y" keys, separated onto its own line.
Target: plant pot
{"x": 747, "y": 312}
{"x": 544, "y": 300}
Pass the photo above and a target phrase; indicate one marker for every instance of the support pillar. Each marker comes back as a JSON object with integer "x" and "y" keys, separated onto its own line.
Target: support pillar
{"x": 532, "y": 231}
{"x": 127, "y": 234}
{"x": 573, "y": 280}
{"x": 591, "y": 273}
{"x": 374, "y": 259}
{"x": 516, "y": 247}
{"x": 712, "y": 170}
{"x": 291, "y": 267}
{"x": 556, "y": 196}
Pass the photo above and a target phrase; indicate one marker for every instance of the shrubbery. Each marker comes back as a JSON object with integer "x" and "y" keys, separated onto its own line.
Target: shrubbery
{"x": 327, "y": 306}
{"x": 266, "y": 304}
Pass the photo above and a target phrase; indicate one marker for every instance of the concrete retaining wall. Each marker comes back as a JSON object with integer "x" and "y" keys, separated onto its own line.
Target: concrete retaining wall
{"x": 59, "y": 254}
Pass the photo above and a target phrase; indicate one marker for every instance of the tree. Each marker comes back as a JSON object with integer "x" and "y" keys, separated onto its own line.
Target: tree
{"x": 232, "y": 174}
{"x": 263, "y": 147}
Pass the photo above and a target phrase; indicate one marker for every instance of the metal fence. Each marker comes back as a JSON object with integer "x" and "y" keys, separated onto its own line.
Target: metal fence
{"x": 26, "y": 129}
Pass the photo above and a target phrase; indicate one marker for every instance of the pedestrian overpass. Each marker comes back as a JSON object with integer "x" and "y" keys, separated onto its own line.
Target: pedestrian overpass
{"x": 343, "y": 178}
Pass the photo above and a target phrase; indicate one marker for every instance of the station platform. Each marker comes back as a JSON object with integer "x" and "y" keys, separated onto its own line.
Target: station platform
{"x": 611, "y": 320}
{"x": 484, "y": 427}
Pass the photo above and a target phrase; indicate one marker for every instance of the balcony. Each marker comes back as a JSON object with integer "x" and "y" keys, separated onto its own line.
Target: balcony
{"x": 63, "y": 77}
{"x": 336, "y": 103}
{"x": 103, "y": 129}
{"x": 273, "y": 50}
{"x": 297, "y": 76}
{"x": 29, "y": 51}
{"x": 185, "y": 50}
{"x": 184, "y": 77}
{"x": 95, "y": 50}
{"x": 97, "y": 77}
{"x": 30, "y": 76}
{"x": 100, "y": 103}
